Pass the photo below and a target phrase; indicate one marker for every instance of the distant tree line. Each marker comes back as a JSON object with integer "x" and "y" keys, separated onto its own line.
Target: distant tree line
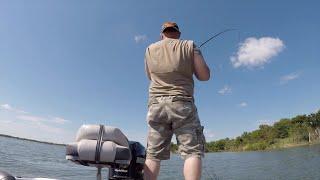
{"x": 301, "y": 129}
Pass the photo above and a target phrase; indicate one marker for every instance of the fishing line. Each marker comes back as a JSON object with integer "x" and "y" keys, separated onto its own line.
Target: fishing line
{"x": 216, "y": 35}
{"x": 213, "y": 178}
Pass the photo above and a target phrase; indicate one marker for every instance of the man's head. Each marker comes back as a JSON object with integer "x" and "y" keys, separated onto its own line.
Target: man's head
{"x": 170, "y": 30}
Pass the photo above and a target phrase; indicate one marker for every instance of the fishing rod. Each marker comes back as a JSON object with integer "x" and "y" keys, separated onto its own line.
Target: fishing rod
{"x": 216, "y": 35}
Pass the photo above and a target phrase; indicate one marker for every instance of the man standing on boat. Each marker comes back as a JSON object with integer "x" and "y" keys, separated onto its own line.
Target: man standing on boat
{"x": 170, "y": 65}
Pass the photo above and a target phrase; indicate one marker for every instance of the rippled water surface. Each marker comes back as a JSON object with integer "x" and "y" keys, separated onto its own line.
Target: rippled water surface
{"x": 31, "y": 159}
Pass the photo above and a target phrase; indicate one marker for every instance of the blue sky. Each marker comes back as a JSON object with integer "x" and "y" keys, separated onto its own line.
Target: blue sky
{"x": 66, "y": 63}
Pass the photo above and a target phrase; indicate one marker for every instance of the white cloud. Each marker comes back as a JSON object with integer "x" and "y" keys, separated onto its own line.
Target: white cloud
{"x": 7, "y": 107}
{"x": 51, "y": 129}
{"x": 225, "y": 90}
{"x": 140, "y": 38}
{"x": 285, "y": 79}
{"x": 23, "y": 115}
{"x": 243, "y": 104}
{"x": 38, "y": 131}
{"x": 20, "y": 123}
{"x": 59, "y": 120}
{"x": 255, "y": 52}
{"x": 5, "y": 121}
{"x": 30, "y": 118}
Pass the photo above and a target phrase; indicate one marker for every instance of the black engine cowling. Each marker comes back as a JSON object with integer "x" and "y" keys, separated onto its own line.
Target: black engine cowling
{"x": 135, "y": 169}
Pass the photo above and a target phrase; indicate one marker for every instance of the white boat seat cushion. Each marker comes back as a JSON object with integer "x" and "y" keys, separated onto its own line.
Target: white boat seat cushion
{"x": 91, "y": 132}
{"x": 114, "y": 146}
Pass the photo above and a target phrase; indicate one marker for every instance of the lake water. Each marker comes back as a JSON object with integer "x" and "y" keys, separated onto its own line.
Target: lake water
{"x": 31, "y": 159}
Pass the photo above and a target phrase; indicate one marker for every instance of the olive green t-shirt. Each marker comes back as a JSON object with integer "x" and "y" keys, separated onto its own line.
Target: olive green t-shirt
{"x": 170, "y": 64}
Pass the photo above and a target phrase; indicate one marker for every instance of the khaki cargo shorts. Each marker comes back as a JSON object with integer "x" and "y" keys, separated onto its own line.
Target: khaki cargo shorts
{"x": 170, "y": 115}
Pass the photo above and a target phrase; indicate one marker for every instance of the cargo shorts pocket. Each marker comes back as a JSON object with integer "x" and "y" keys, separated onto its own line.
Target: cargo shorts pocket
{"x": 201, "y": 138}
{"x": 154, "y": 113}
{"x": 182, "y": 111}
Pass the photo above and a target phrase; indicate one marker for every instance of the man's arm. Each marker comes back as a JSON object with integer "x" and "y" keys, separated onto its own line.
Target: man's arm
{"x": 146, "y": 64}
{"x": 147, "y": 69}
{"x": 201, "y": 69}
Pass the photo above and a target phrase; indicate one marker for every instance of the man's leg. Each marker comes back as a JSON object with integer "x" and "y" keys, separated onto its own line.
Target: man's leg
{"x": 192, "y": 168}
{"x": 151, "y": 169}
{"x": 190, "y": 138}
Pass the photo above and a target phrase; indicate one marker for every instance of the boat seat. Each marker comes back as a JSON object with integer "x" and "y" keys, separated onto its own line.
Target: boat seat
{"x": 99, "y": 146}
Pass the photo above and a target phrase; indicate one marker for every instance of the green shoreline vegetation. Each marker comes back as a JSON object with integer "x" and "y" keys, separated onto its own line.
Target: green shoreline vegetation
{"x": 285, "y": 133}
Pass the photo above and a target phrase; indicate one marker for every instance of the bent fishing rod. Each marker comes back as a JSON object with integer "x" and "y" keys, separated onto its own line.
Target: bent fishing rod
{"x": 216, "y": 35}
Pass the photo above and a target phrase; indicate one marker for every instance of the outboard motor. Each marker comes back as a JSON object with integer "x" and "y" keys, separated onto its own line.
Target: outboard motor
{"x": 6, "y": 176}
{"x": 107, "y": 147}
